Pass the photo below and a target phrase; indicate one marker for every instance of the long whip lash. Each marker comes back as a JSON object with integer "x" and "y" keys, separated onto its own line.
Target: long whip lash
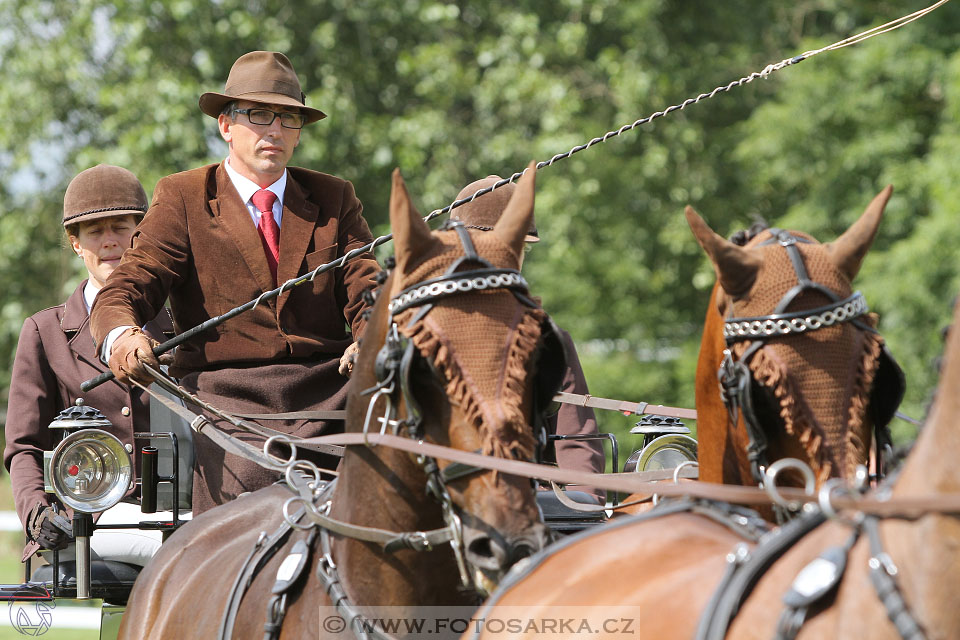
{"x": 339, "y": 262}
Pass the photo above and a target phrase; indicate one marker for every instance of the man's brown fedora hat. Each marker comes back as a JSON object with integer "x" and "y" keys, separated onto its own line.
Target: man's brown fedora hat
{"x": 483, "y": 212}
{"x": 260, "y": 76}
{"x": 103, "y": 191}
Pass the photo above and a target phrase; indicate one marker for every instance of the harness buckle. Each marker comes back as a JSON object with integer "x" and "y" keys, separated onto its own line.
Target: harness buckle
{"x": 883, "y": 560}
{"x": 419, "y": 542}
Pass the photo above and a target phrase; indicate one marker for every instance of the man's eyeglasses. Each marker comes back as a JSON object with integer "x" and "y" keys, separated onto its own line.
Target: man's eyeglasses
{"x": 288, "y": 119}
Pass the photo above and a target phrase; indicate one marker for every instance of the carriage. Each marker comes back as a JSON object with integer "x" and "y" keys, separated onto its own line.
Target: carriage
{"x": 167, "y": 463}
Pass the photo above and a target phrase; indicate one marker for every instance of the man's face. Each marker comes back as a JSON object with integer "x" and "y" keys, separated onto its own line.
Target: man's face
{"x": 101, "y": 243}
{"x": 259, "y": 152}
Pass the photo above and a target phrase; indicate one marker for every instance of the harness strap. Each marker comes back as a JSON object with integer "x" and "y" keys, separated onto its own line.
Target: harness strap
{"x": 883, "y": 574}
{"x": 330, "y": 579}
{"x": 738, "y": 581}
{"x": 263, "y": 549}
{"x": 816, "y": 584}
{"x": 457, "y": 470}
{"x": 288, "y": 575}
{"x": 200, "y": 424}
{"x": 336, "y": 414}
{"x": 388, "y": 540}
{"x": 623, "y": 406}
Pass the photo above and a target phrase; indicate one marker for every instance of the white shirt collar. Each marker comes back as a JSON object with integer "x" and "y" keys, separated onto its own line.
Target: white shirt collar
{"x": 247, "y": 187}
{"x": 89, "y": 293}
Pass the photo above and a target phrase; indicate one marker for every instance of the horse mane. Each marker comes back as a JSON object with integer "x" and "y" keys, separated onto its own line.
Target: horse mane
{"x": 742, "y": 237}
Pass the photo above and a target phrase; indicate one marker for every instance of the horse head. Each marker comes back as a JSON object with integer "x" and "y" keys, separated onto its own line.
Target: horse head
{"x": 803, "y": 372}
{"x": 456, "y": 337}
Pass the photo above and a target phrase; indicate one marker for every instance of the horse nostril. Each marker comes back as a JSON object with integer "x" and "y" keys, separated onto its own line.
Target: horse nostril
{"x": 481, "y": 547}
{"x": 484, "y": 552}
{"x": 522, "y": 551}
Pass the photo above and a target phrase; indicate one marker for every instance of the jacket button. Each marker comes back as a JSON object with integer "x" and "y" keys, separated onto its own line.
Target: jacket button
{"x": 128, "y": 447}
{"x": 125, "y": 411}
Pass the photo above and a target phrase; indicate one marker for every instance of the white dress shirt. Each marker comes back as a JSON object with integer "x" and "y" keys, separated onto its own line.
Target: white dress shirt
{"x": 246, "y": 188}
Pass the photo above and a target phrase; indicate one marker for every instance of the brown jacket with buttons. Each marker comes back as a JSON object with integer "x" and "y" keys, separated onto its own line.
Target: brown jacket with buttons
{"x": 198, "y": 245}
{"x": 55, "y": 354}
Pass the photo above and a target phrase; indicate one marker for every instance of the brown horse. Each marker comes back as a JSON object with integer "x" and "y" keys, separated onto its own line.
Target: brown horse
{"x": 656, "y": 577}
{"x": 455, "y": 337}
{"x": 803, "y": 373}
{"x": 789, "y": 387}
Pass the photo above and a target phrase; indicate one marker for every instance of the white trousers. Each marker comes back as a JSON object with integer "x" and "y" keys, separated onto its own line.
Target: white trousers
{"x": 133, "y": 546}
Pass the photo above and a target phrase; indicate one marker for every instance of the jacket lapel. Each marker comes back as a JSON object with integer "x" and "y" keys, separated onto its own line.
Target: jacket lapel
{"x": 296, "y": 230}
{"x": 232, "y": 213}
{"x": 74, "y": 321}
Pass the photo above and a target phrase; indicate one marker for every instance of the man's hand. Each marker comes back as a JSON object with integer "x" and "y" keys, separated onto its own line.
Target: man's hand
{"x": 130, "y": 351}
{"x": 48, "y": 528}
{"x": 349, "y": 357}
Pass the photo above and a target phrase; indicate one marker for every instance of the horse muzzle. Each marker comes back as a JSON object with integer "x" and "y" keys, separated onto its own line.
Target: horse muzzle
{"x": 490, "y": 554}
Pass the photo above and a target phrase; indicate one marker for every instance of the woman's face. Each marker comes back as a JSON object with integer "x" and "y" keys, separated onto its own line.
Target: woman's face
{"x": 101, "y": 243}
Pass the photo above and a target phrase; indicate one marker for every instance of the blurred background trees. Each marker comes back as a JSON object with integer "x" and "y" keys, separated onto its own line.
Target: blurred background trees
{"x": 453, "y": 91}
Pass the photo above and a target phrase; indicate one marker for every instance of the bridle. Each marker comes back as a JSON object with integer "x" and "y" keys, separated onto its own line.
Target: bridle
{"x": 396, "y": 357}
{"x": 735, "y": 376}
{"x": 392, "y": 368}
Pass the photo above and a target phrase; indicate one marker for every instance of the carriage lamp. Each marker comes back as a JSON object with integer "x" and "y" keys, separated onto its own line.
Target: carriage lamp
{"x": 666, "y": 452}
{"x": 90, "y": 470}
{"x": 666, "y": 444}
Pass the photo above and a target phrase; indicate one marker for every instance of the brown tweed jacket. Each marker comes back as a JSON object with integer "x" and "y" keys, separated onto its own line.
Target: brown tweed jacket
{"x": 55, "y": 354}
{"x": 198, "y": 245}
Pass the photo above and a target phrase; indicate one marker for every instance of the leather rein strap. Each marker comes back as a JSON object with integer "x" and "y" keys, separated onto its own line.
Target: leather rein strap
{"x": 642, "y": 482}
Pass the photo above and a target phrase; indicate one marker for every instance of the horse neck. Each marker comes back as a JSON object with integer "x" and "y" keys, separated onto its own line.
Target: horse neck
{"x": 721, "y": 446}
{"x": 385, "y": 488}
{"x": 932, "y": 465}
{"x": 376, "y": 471}
{"x": 926, "y": 550}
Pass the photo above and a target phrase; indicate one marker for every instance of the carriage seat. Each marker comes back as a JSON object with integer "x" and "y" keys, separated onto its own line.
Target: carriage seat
{"x": 563, "y": 519}
{"x": 109, "y": 580}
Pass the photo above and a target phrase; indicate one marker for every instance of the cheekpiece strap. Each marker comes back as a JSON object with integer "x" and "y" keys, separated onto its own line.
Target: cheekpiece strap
{"x": 782, "y": 324}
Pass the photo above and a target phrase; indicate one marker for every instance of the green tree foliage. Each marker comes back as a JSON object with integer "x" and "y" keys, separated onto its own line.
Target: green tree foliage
{"x": 453, "y": 91}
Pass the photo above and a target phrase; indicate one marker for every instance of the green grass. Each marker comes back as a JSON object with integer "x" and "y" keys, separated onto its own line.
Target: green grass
{"x": 9, "y": 633}
{"x": 11, "y": 542}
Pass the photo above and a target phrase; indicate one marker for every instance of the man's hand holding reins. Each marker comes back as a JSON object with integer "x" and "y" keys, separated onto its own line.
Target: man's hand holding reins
{"x": 131, "y": 350}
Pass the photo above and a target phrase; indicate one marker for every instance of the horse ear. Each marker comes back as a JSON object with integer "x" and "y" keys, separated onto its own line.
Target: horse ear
{"x": 848, "y": 250}
{"x": 410, "y": 233}
{"x": 736, "y": 267}
{"x": 517, "y": 217}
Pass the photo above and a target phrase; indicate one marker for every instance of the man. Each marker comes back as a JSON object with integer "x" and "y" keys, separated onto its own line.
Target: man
{"x": 581, "y": 455}
{"x": 55, "y": 354}
{"x": 221, "y": 235}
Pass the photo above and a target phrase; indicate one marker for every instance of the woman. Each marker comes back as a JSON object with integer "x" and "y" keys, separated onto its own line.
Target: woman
{"x": 55, "y": 353}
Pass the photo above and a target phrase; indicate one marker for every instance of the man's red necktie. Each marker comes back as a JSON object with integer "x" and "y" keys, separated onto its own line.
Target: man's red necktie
{"x": 269, "y": 230}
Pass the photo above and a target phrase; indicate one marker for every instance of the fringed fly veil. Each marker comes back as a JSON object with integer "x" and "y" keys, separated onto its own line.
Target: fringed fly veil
{"x": 492, "y": 330}
{"x": 822, "y": 381}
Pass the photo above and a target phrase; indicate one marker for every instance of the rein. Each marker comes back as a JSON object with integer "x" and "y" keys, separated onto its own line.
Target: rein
{"x": 633, "y": 482}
